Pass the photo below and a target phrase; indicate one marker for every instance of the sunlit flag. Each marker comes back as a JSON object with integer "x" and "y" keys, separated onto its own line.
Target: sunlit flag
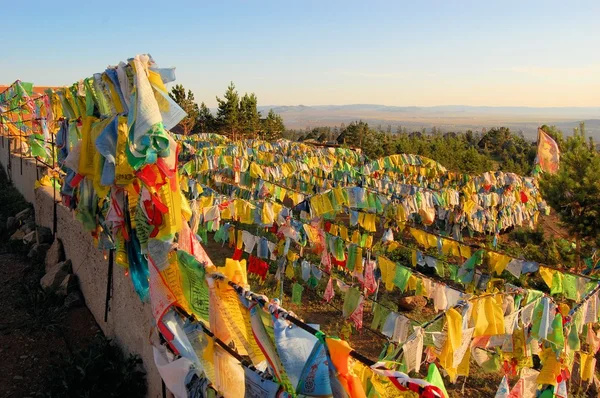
{"x": 548, "y": 154}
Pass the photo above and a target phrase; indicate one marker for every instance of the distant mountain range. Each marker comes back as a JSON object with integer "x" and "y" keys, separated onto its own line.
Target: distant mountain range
{"x": 447, "y": 118}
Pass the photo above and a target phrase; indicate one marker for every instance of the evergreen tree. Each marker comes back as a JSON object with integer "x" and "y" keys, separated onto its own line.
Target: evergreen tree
{"x": 355, "y": 134}
{"x": 574, "y": 191}
{"x": 249, "y": 116}
{"x": 336, "y": 133}
{"x": 228, "y": 112}
{"x": 273, "y": 126}
{"x": 187, "y": 103}
{"x": 206, "y": 120}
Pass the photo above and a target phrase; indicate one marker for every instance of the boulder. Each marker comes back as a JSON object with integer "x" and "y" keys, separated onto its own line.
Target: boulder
{"x": 56, "y": 274}
{"x": 73, "y": 300}
{"x": 27, "y": 227}
{"x": 44, "y": 235}
{"x": 38, "y": 252}
{"x": 66, "y": 265}
{"x": 11, "y": 224}
{"x": 18, "y": 235}
{"x": 23, "y": 215}
{"x": 411, "y": 302}
{"x": 67, "y": 286}
{"x": 55, "y": 254}
{"x": 29, "y": 238}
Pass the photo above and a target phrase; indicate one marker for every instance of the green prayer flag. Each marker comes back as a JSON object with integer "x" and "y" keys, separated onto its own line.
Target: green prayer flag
{"x": 350, "y": 301}
{"x": 573, "y": 338}
{"x": 453, "y": 272}
{"x": 548, "y": 392}
{"x": 193, "y": 284}
{"x": 533, "y": 295}
{"x": 556, "y": 336}
{"x": 351, "y": 257}
{"x": 27, "y": 87}
{"x": 401, "y": 277}
{"x": 588, "y": 288}
{"x": 202, "y": 232}
{"x": 536, "y": 319}
{"x": 339, "y": 249}
{"x": 435, "y": 378}
{"x": 557, "y": 283}
{"x": 467, "y": 270}
{"x": 363, "y": 239}
{"x": 312, "y": 282}
{"x": 419, "y": 289}
{"x": 380, "y": 314}
{"x": 36, "y": 145}
{"x": 569, "y": 286}
{"x": 492, "y": 365}
{"x": 297, "y": 290}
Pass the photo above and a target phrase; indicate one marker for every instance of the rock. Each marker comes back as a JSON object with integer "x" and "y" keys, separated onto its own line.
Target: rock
{"x": 18, "y": 377}
{"x": 56, "y": 275}
{"x": 73, "y": 300}
{"x": 23, "y": 215}
{"x": 55, "y": 254}
{"x": 11, "y": 224}
{"x": 28, "y": 227}
{"x": 66, "y": 266}
{"x": 44, "y": 235}
{"x": 29, "y": 238}
{"x": 18, "y": 235}
{"x": 38, "y": 251}
{"x": 67, "y": 286}
{"x": 412, "y": 302}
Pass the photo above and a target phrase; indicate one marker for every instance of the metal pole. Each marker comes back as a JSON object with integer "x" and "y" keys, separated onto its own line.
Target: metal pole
{"x": 54, "y": 221}
{"x": 109, "y": 283}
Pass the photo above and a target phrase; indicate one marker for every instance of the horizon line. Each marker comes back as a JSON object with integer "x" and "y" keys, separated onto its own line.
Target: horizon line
{"x": 439, "y": 106}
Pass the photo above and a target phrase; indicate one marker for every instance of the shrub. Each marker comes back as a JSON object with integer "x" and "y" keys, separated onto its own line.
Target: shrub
{"x": 45, "y": 308}
{"x": 100, "y": 371}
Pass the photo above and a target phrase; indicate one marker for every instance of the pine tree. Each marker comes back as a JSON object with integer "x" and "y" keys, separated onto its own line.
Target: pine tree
{"x": 273, "y": 126}
{"x": 228, "y": 112}
{"x": 574, "y": 191}
{"x": 187, "y": 103}
{"x": 355, "y": 134}
{"x": 206, "y": 120}
{"x": 249, "y": 117}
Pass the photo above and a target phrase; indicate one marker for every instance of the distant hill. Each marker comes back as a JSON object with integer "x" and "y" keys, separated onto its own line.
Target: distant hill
{"x": 447, "y": 118}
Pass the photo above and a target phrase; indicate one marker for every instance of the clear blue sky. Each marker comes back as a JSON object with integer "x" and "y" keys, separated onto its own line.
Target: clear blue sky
{"x": 533, "y": 53}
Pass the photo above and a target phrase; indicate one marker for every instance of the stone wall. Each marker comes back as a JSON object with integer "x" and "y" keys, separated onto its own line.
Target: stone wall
{"x": 20, "y": 171}
{"x": 129, "y": 321}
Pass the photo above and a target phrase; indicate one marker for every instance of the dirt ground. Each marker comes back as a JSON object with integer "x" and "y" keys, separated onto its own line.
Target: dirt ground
{"x": 27, "y": 353}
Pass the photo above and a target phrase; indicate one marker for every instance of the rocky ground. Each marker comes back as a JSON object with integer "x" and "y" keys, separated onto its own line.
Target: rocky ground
{"x": 35, "y": 328}
{"x": 42, "y": 313}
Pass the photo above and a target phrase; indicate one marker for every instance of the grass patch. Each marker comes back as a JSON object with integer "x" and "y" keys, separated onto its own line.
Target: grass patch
{"x": 100, "y": 370}
{"x": 45, "y": 308}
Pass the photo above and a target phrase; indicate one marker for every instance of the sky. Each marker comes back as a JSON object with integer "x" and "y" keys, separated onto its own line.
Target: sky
{"x": 405, "y": 53}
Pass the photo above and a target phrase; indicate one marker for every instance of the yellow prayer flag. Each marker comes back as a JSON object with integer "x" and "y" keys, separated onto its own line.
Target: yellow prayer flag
{"x": 547, "y": 274}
